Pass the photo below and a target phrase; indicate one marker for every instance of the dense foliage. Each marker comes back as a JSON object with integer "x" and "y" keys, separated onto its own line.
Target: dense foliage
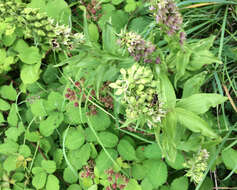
{"x": 117, "y": 94}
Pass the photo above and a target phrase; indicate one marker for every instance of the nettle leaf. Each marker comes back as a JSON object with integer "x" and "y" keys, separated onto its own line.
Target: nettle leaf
{"x": 10, "y": 163}
{"x": 133, "y": 185}
{"x": 37, "y": 108}
{"x": 153, "y": 151}
{"x": 75, "y": 138}
{"x": 109, "y": 140}
{"x": 30, "y": 73}
{"x": 103, "y": 161}
{"x": 167, "y": 91}
{"x": 100, "y": 121}
{"x": 193, "y": 84}
{"x": 79, "y": 157}
{"x": 157, "y": 172}
{"x": 69, "y": 176}
{"x": 229, "y": 158}
{"x": 178, "y": 163}
{"x": 194, "y": 123}
{"x": 49, "y": 166}
{"x": 39, "y": 180}
{"x": 12, "y": 117}
{"x": 4, "y": 106}
{"x": 30, "y": 55}
{"x": 52, "y": 122}
{"x": 8, "y": 92}
{"x": 201, "y": 103}
{"x": 179, "y": 183}
{"x": 9, "y": 147}
{"x": 126, "y": 150}
{"x": 52, "y": 183}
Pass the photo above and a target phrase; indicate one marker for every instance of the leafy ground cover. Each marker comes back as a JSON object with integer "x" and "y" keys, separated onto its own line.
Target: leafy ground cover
{"x": 118, "y": 94}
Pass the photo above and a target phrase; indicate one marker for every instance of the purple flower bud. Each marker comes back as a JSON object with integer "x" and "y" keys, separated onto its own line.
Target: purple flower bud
{"x": 151, "y": 8}
{"x": 157, "y": 60}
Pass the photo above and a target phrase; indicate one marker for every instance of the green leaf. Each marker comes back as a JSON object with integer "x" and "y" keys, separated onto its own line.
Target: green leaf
{"x": 4, "y": 106}
{"x": 30, "y": 73}
{"x": 194, "y": 123}
{"x": 109, "y": 140}
{"x": 55, "y": 101}
{"x": 10, "y": 163}
{"x": 229, "y": 158}
{"x": 139, "y": 24}
{"x": 74, "y": 187}
{"x": 93, "y": 32}
{"x": 75, "y": 138}
{"x": 146, "y": 184}
{"x": 90, "y": 136}
{"x": 52, "y": 122}
{"x": 103, "y": 161}
{"x": 126, "y": 150}
{"x": 52, "y": 183}
{"x": 49, "y": 166}
{"x": 157, "y": 172}
{"x": 8, "y": 92}
{"x": 39, "y": 180}
{"x": 117, "y": 2}
{"x": 132, "y": 185}
{"x": 8, "y": 147}
{"x": 179, "y": 183}
{"x": 153, "y": 151}
{"x": 138, "y": 171}
{"x": 1, "y": 118}
{"x": 24, "y": 150}
{"x": 119, "y": 20}
{"x": 58, "y": 156}
{"x": 30, "y": 55}
{"x": 8, "y": 40}
{"x": 79, "y": 157}
{"x": 131, "y": 6}
{"x": 201, "y": 103}
{"x": 38, "y": 108}
{"x": 68, "y": 176}
{"x": 50, "y": 74}
{"x": 207, "y": 184}
{"x": 100, "y": 121}
{"x": 12, "y": 117}
{"x": 193, "y": 84}
{"x": 20, "y": 46}
{"x": 73, "y": 114}
{"x": 178, "y": 163}
{"x": 167, "y": 90}
{"x": 12, "y": 133}
{"x": 109, "y": 39}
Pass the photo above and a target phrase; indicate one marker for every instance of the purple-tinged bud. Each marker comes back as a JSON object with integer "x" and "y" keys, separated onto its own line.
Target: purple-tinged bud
{"x": 157, "y": 60}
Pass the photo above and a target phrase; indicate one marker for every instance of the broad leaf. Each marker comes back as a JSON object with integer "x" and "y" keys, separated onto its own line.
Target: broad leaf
{"x": 179, "y": 183}
{"x": 75, "y": 138}
{"x": 52, "y": 183}
{"x": 194, "y": 123}
{"x": 153, "y": 151}
{"x": 8, "y": 92}
{"x": 201, "y": 103}
{"x": 229, "y": 158}
{"x": 30, "y": 73}
{"x": 109, "y": 140}
{"x": 49, "y": 166}
{"x": 39, "y": 180}
{"x": 38, "y": 108}
{"x": 30, "y": 55}
{"x": 126, "y": 150}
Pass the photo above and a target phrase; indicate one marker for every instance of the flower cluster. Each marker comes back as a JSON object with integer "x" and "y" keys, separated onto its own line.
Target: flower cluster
{"x": 116, "y": 180}
{"x": 138, "y": 91}
{"x": 197, "y": 166}
{"x": 94, "y": 10}
{"x": 105, "y": 99}
{"x": 168, "y": 17}
{"x": 141, "y": 50}
{"x": 88, "y": 170}
{"x": 36, "y": 25}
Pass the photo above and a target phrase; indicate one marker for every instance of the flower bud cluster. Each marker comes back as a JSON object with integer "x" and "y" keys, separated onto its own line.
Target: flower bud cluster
{"x": 138, "y": 91}
{"x": 88, "y": 170}
{"x": 197, "y": 166}
{"x": 116, "y": 180}
{"x": 37, "y": 25}
{"x": 168, "y": 17}
{"x": 142, "y": 50}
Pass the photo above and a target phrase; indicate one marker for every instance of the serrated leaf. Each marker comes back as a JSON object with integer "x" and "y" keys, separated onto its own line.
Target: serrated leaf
{"x": 103, "y": 161}
{"x": 69, "y": 176}
{"x": 75, "y": 138}
{"x": 179, "y": 183}
{"x": 100, "y": 121}
{"x": 30, "y": 55}
{"x": 194, "y": 123}
{"x": 229, "y": 158}
{"x": 126, "y": 150}
{"x": 49, "y": 166}
{"x": 4, "y": 106}
{"x": 109, "y": 140}
{"x": 8, "y": 92}
{"x": 201, "y": 103}
{"x": 38, "y": 108}
{"x": 157, "y": 172}
{"x": 39, "y": 180}
{"x": 52, "y": 183}
{"x": 153, "y": 151}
